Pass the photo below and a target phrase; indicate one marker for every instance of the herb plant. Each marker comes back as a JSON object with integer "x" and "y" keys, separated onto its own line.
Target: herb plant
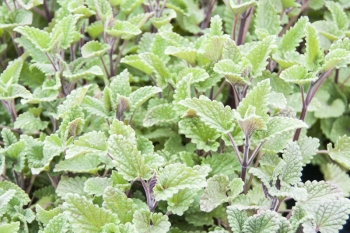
{"x": 174, "y": 116}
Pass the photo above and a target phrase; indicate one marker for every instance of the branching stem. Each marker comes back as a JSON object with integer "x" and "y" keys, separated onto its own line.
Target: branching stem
{"x": 235, "y": 147}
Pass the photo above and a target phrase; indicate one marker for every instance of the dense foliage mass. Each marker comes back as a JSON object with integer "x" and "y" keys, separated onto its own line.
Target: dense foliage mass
{"x": 174, "y": 116}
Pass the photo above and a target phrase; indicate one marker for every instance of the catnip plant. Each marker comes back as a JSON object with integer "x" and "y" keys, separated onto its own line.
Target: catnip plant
{"x": 174, "y": 116}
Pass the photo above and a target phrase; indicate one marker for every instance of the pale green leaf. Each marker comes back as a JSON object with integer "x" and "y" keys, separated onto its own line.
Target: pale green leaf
{"x": 67, "y": 27}
{"x": 57, "y": 224}
{"x": 164, "y": 19}
{"x": 119, "y": 128}
{"x": 103, "y": 9}
{"x": 140, "y": 19}
{"x": 328, "y": 31}
{"x": 71, "y": 185}
{"x": 95, "y": 29}
{"x": 338, "y": 15}
{"x": 212, "y": 113}
{"x": 116, "y": 201}
{"x": 45, "y": 216}
{"x": 14, "y": 91}
{"x": 20, "y": 195}
{"x": 293, "y": 37}
{"x": 313, "y": 53}
{"x": 8, "y": 137}
{"x": 75, "y": 98}
{"x": 160, "y": 114}
{"x": 40, "y": 95}
{"x": 27, "y": 121}
{"x": 124, "y": 30}
{"x": 236, "y": 218}
{"x": 215, "y": 26}
{"x": 225, "y": 164}
{"x": 298, "y": 74}
{"x": 162, "y": 72}
{"x": 148, "y": 222}
{"x": 335, "y": 175}
{"x": 120, "y": 84}
{"x": 239, "y": 7}
{"x": 330, "y": 107}
{"x": 200, "y": 134}
{"x": 264, "y": 222}
{"x": 94, "y": 106}
{"x": 136, "y": 62}
{"x": 141, "y": 95}
{"x": 11, "y": 74}
{"x": 144, "y": 145}
{"x": 215, "y": 193}
{"x": 336, "y": 58}
{"x": 12, "y": 227}
{"x": 341, "y": 150}
{"x": 267, "y": 21}
{"x": 319, "y": 191}
{"x": 181, "y": 201}
{"x": 39, "y": 38}
{"x": 94, "y": 49}
{"x": 182, "y": 92}
{"x": 97, "y": 185}
{"x": 175, "y": 39}
{"x": 213, "y": 46}
{"x": 129, "y": 161}
{"x": 79, "y": 74}
{"x": 84, "y": 216}
{"x": 128, "y": 6}
{"x": 231, "y": 51}
{"x": 308, "y": 148}
{"x": 85, "y": 163}
{"x": 232, "y": 72}
{"x": 292, "y": 170}
{"x": 198, "y": 74}
{"x": 175, "y": 177}
{"x": 316, "y": 4}
{"x": 258, "y": 55}
{"x": 186, "y": 53}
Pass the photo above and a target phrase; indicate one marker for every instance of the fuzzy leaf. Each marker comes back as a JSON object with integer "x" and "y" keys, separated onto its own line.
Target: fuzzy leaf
{"x": 57, "y": 224}
{"x": 124, "y": 29}
{"x": 160, "y": 114}
{"x": 97, "y": 185}
{"x": 121, "y": 84}
{"x": 232, "y": 72}
{"x": 264, "y": 222}
{"x": 128, "y": 6}
{"x": 148, "y": 222}
{"x": 267, "y": 21}
{"x": 199, "y": 133}
{"x": 129, "y": 161}
{"x": 212, "y": 113}
{"x": 188, "y": 54}
{"x": 75, "y": 98}
{"x": 308, "y": 147}
{"x": 39, "y": 38}
{"x": 298, "y": 74}
{"x": 141, "y": 95}
{"x": 85, "y": 163}
{"x": 341, "y": 150}
{"x": 12, "y": 227}
{"x": 85, "y": 216}
{"x": 94, "y": 106}
{"x": 11, "y": 74}
{"x": 239, "y": 8}
{"x": 335, "y": 175}
{"x": 71, "y": 185}
{"x": 293, "y": 37}
{"x": 215, "y": 193}
{"x": 116, "y": 201}
{"x": 258, "y": 55}
{"x": 67, "y": 27}
{"x": 119, "y": 128}
{"x": 313, "y": 53}
{"x": 27, "y": 121}
{"x": 181, "y": 201}
{"x": 236, "y": 218}
{"x": 175, "y": 177}
{"x": 8, "y": 137}
{"x": 336, "y": 58}
{"x": 338, "y": 15}
{"x": 94, "y": 49}
{"x": 292, "y": 170}
{"x": 225, "y": 164}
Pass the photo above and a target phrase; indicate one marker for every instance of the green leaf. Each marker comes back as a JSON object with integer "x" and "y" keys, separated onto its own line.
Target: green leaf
{"x": 12, "y": 227}
{"x": 198, "y": 74}
{"x": 258, "y": 55}
{"x": 94, "y": 106}
{"x": 15, "y": 18}
{"x": 236, "y": 218}
{"x": 95, "y": 29}
{"x": 264, "y": 222}
{"x": 103, "y": 9}
{"x": 116, "y": 201}
{"x": 8, "y": 137}
{"x": 85, "y": 216}
{"x": 200, "y": 134}
{"x": 316, "y": 4}
{"x": 67, "y": 27}
{"x": 11, "y": 74}
{"x": 215, "y": 193}
{"x": 128, "y": 6}
{"x": 225, "y": 164}
{"x": 188, "y": 54}
{"x": 79, "y": 74}
{"x": 267, "y": 21}
{"x": 336, "y": 58}
{"x": 313, "y": 53}
{"x": 124, "y": 30}
{"x": 298, "y": 74}
{"x": 141, "y": 95}
{"x": 94, "y": 49}
{"x": 45, "y": 216}
{"x": 182, "y": 91}
{"x": 215, "y": 26}
{"x": 338, "y": 15}
{"x": 330, "y": 107}
{"x": 237, "y": 7}
{"x": 121, "y": 84}
{"x": 119, "y": 128}
{"x": 319, "y": 191}
{"x": 160, "y": 114}
{"x": 136, "y": 62}
{"x": 292, "y": 170}
{"x": 340, "y": 152}
{"x": 164, "y": 19}
{"x": 175, "y": 177}
{"x": 20, "y": 195}
{"x": 213, "y": 46}
{"x": 181, "y": 201}
{"x": 148, "y": 222}
{"x": 75, "y": 98}
{"x": 308, "y": 147}
{"x": 39, "y": 38}
{"x": 232, "y": 72}
{"x": 85, "y": 163}
{"x": 129, "y": 161}
{"x": 335, "y": 175}
{"x": 27, "y": 121}
{"x": 71, "y": 185}
{"x": 58, "y": 224}
{"x": 97, "y": 185}
{"x": 14, "y": 91}
{"x": 212, "y": 113}
{"x": 140, "y": 19}
{"x": 293, "y": 37}
{"x": 175, "y": 39}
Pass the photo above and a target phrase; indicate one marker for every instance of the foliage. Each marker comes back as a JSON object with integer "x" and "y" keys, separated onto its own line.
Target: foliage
{"x": 174, "y": 116}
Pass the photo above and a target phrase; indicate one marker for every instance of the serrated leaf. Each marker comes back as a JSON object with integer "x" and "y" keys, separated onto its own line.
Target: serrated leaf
{"x": 140, "y": 19}
{"x": 188, "y": 54}
{"x": 15, "y": 18}
{"x": 338, "y": 15}
{"x": 119, "y": 128}
{"x": 8, "y": 137}
{"x": 313, "y": 53}
{"x": 175, "y": 177}
{"x": 12, "y": 227}
{"x": 14, "y": 91}
{"x": 181, "y": 201}
{"x": 336, "y": 58}
{"x": 136, "y": 62}
{"x": 308, "y": 148}
{"x": 164, "y": 19}
{"x": 20, "y": 195}
{"x": 75, "y": 98}
{"x": 11, "y": 74}
{"x": 85, "y": 163}
{"x": 45, "y": 216}
{"x": 267, "y": 21}
{"x": 298, "y": 74}
{"x": 239, "y": 7}
{"x": 225, "y": 164}
{"x": 335, "y": 175}
{"x": 175, "y": 39}
{"x": 213, "y": 46}
{"x": 293, "y": 37}
{"x": 128, "y": 6}
{"x": 292, "y": 170}
{"x": 141, "y": 95}
{"x": 57, "y": 224}
{"x": 215, "y": 26}
{"x": 95, "y": 29}
{"x": 117, "y": 202}
{"x": 71, "y": 185}
{"x": 330, "y": 107}
{"x": 27, "y": 121}
{"x": 40, "y": 95}
{"x": 160, "y": 114}
{"x": 94, "y": 49}
{"x": 129, "y": 161}
{"x": 94, "y": 106}
{"x": 67, "y": 27}
{"x": 199, "y": 133}
{"x": 236, "y": 218}
{"x": 85, "y": 216}
{"x": 148, "y": 222}
{"x": 264, "y": 222}
{"x": 215, "y": 193}
{"x": 232, "y": 72}
{"x": 124, "y": 30}
{"x": 92, "y": 71}
{"x": 318, "y": 191}
{"x": 258, "y": 55}
{"x": 212, "y": 113}
{"x": 103, "y": 9}
{"x": 340, "y": 152}
{"x": 97, "y": 185}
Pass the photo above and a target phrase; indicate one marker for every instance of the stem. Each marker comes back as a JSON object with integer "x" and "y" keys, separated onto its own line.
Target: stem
{"x": 29, "y": 188}
{"x": 11, "y": 109}
{"x": 162, "y": 9}
{"x": 336, "y": 77}
{"x": 8, "y": 6}
{"x": 120, "y": 55}
{"x": 255, "y": 153}
{"x": 238, "y": 154}
{"x": 234, "y": 28}
{"x": 53, "y": 182}
{"x": 247, "y": 24}
{"x": 47, "y": 12}
{"x": 223, "y": 84}
{"x": 54, "y": 67}
{"x": 18, "y": 50}
{"x": 151, "y": 6}
{"x": 323, "y": 152}
{"x": 208, "y": 14}
{"x": 14, "y": 130}
{"x": 211, "y": 95}
{"x": 130, "y": 120}
{"x": 302, "y": 94}
{"x": 241, "y": 33}
{"x": 5, "y": 177}
{"x": 251, "y": 176}
{"x": 104, "y": 66}
{"x": 291, "y": 22}
{"x": 40, "y": 12}
{"x": 148, "y": 196}
{"x": 245, "y": 162}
